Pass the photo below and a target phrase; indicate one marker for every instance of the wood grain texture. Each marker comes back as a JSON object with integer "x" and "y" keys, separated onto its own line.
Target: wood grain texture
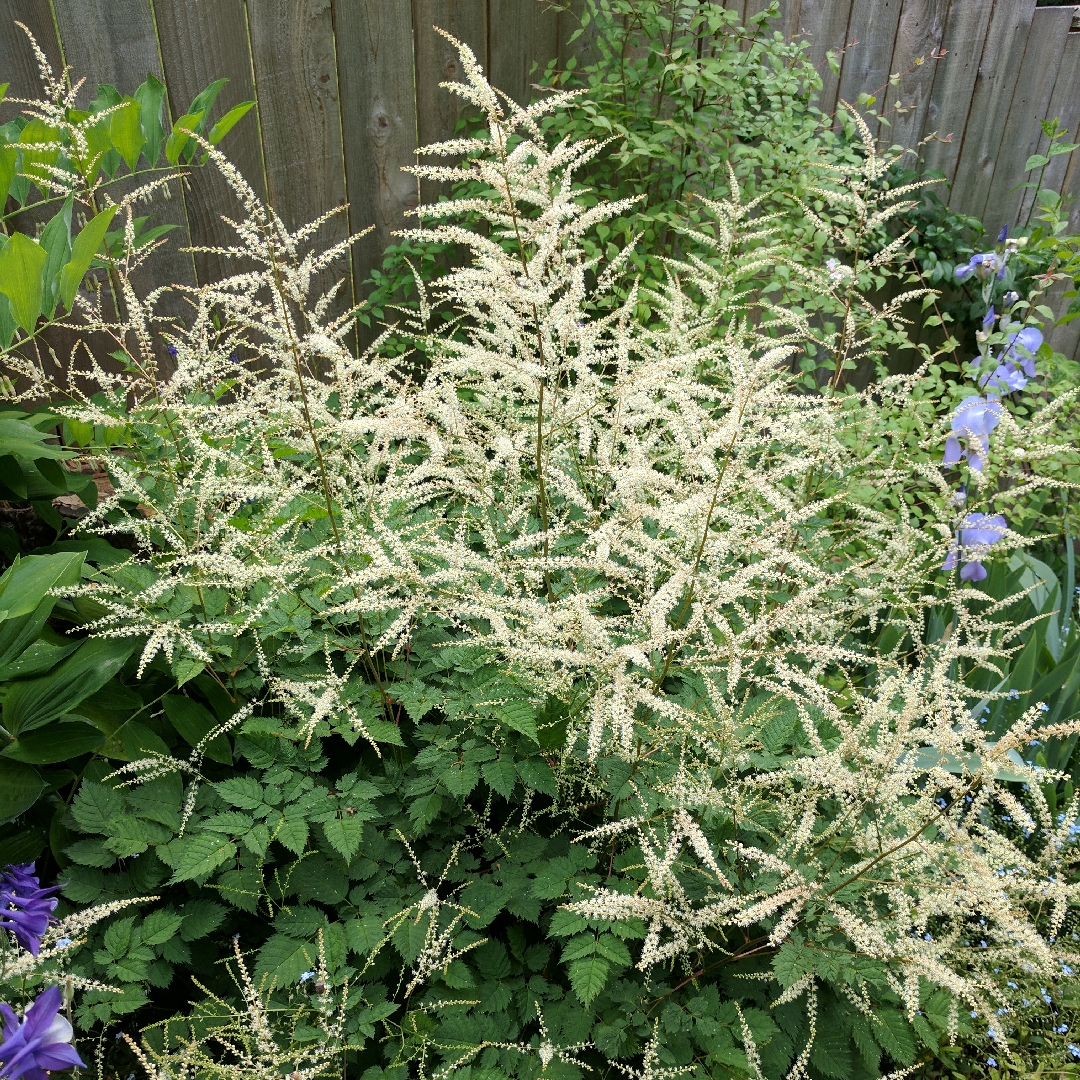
{"x": 521, "y": 34}
{"x": 825, "y": 23}
{"x": 18, "y": 64}
{"x": 378, "y": 110}
{"x": 869, "y": 62}
{"x": 293, "y": 55}
{"x": 1030, "y": 103}
{"x": 204, "y": 40}
{"x": 999, "y": 67}
{"x": 954, "y": 81}
{"x": 920, "y": 32}
{"x": 1064, "y": 105}
{"x": 438, "y": 110}
{"x": 114, "y": 41}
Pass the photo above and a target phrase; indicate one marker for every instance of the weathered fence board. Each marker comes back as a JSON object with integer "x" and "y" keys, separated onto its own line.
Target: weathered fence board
{"x": 999, "y": 67}
{"x": 1064, "y": 105}
{"x": 919, "y": 34}
{"x": 20, "y": 67}
{"x": 438, "y": 110}
{"x": 378, "y": 117}
{"x": 523, "y": 35}
{"x": 115, "y": 41}
{"x": 295, "y": 62}
{"x": 825, "y": 22}
{"x": 202, "y": 42}
{"x": 1030, "y": 103}
{"x": 347, "y": 89}
{"x": 954, "y": 83}
{"x": 869, "y": 62}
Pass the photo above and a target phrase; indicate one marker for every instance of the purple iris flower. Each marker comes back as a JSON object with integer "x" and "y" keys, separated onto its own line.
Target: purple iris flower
{"x": 1022, "y": 349}
{"x": 41, "y": 1043}
{"x": 25, "y": 907}
{"x": 973, "y": 420}
{"x": 1004, "y": 379}
{"x": 978, "y": 530}
{"x": 983, "y": 266}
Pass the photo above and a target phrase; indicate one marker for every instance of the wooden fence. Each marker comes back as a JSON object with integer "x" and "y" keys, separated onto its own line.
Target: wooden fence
{"x": 347, "y": 89}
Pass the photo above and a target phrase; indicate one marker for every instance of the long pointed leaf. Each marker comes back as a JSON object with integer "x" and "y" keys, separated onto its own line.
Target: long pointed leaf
{"x": 21, "y": 263}
{"x": 82, "y": 254}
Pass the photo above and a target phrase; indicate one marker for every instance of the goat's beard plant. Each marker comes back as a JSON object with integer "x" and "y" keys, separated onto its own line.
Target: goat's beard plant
{"x": 596, "y": 605}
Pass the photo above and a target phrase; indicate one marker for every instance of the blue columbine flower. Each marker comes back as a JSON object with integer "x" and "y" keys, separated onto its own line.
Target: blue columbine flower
{"x": 40, "y": 1043}
{"x": 974, "y": 419}
{"x": 25, "y": 907}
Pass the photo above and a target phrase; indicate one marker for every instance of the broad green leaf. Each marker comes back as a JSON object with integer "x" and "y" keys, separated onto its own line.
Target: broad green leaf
{"x": 20, "y": 786}
{"x": 82, "y": 254}
{"x": 536, "y": 773}
{"x": 198, "y": 855}
{"x": 33, "y": 703}
{"x": 21, "y": 264}
{"x": 201, "y": 917}
{"x": 56, "y": 240}
{"x": 292, "y": 832}
{"x": 126, "y": 835}
{"x": 244, "y": 792}
{"x": 344, "y": 835}
{"x": 501, "y": 776}
{"x": 193, "y": 722}
{"x": 159, "y": 926}
{"x": 9, "y": 156}
{"x": 204, "y": 100}
{"x": 95, "y": 806}
{"x": 519, "y": 715}
{"x": 364, "y": 934}
{"x": 284, "y": 959}
{"x": 55, "y": 742}
{"x": 126, "y": 133}
{"x": 588, "y": 976}
{"x": 37, "y": 657}
{"x": 228, "y": 122}
{"x": 1035, "y": 162}
{"x": 26, "y": 582}
{"x": 178, "y": 139}
{"x": 150, "y": 97}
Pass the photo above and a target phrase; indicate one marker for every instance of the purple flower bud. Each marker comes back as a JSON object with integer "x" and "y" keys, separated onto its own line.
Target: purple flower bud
{"x": 1010, "y": 298}
{"x": 40, "y": 1043}
{"x": 988, "y": 318}
{"x": 172, "y": 350}
{"x": 1003, "y": 235}
{"x": 25, "y": 907}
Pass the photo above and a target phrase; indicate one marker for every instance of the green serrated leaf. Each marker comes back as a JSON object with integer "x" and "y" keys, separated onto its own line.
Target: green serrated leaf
{"x": 588, "y": 976}
{"x": 198, "y": 855}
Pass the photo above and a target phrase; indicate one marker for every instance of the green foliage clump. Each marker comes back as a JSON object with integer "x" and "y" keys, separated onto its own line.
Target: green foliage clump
{"x": 589, "y": 696}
